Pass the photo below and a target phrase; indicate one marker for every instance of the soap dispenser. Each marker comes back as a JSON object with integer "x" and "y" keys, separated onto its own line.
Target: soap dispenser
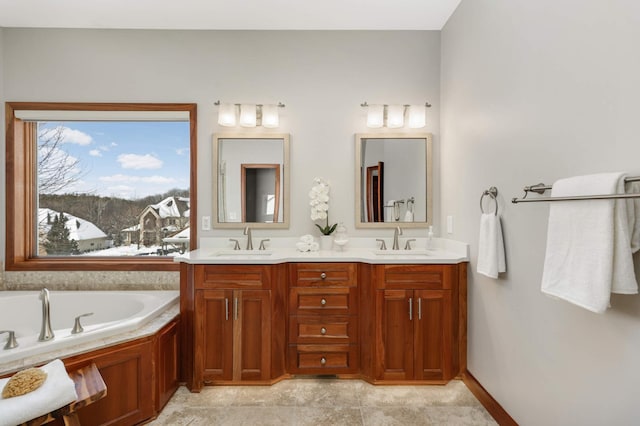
{"x": 430, "y": 238}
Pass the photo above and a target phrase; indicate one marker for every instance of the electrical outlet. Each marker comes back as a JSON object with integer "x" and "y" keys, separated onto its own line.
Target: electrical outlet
{"x": 206, "y": 223}
{"x": 449, "y": 224}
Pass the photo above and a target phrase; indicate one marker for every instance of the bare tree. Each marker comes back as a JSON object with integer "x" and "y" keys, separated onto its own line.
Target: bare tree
{"x": 57, "y": 169}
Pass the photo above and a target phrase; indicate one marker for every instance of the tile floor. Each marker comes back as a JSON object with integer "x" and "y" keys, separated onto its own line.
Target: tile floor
{"x": 319, "y": 401}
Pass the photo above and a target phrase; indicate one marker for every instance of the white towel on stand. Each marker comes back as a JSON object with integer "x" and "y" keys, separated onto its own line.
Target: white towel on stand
{"x": 491, "y": 259}
{"x": 588, "y": 243}
{"x": 57, "y": 391}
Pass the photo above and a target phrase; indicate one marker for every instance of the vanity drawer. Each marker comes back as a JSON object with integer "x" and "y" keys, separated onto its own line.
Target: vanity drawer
{"x": 428, "y": 277}
{"x": 323, "y": 359}
{"x": 333, "y": 329}
{"x": 313, "y": 300}
{"x": 232, "y": 276}
{"x": 324, "y": 274}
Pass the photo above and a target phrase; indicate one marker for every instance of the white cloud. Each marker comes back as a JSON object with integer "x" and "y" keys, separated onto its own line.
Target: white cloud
{"x": 145, "y": 179}
{"x": 182, "y": 151}
{"x": 75, "y": 136}
{"x": 95, "y": 153}
{"x": 137, "y": 162}
{"x": 114, "y": 144}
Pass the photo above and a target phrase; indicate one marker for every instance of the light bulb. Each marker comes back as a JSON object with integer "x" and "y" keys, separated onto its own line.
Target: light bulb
{"x": 395, "y": 116}
{"x": 270, "y": 117}
{"x": 417, "y": 116}
{"x": 375, "y": 116}
{"x": 248, "y": 115}
{"x": 227, "y": 115}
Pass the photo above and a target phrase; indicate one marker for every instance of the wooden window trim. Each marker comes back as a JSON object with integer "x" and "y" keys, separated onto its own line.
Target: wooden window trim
{"x": 21, "y": 192}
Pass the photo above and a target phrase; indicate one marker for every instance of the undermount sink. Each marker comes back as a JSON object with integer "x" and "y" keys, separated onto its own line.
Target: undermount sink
{"x": 404, "y": 253}
{"x": 233, "y": 253}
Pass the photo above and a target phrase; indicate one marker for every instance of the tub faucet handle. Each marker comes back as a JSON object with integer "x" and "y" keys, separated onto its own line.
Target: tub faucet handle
{"x": 77, "y": 327}
{"x": 11, "y": 340}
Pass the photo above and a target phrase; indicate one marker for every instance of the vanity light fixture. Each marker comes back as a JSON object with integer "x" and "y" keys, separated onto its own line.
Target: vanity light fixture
{"x": 249, "y": 115}
{"x": 392, "y": 116}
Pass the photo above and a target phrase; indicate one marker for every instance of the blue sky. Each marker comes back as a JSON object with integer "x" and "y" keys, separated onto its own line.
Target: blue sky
{"x": 127, "y": 159}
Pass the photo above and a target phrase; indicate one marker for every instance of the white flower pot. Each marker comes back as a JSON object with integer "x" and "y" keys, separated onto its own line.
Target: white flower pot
{"x": 326, "y": 242}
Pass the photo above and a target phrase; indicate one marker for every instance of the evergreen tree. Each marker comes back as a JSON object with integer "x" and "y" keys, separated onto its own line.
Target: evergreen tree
{"x": 58, "y": 242}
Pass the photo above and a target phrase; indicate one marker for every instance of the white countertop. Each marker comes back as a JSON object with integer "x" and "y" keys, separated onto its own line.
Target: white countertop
{"x": 281, "y": 250}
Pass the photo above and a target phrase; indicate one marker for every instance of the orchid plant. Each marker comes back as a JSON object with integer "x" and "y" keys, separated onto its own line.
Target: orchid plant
{"x": 319, "y": 203}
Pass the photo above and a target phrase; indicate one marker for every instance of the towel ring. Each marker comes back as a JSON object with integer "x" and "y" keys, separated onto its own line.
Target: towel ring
{"x": 493, "y": 193}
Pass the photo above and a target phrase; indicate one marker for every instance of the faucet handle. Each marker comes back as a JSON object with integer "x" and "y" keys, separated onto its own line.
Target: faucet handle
{"x": 236, "y": 243}
{"x": 11, "y": 340}
{"x": 383, "y": 245}
{"x": 77, "y": 327}
{"x": 407, "y": 245}
{"x": 262, "y": 247}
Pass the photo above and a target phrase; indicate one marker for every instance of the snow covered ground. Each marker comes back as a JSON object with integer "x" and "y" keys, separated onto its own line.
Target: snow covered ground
{"x": 131, "y": 250}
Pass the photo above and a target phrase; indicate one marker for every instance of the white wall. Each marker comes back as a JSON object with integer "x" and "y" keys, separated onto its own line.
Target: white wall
{"x": 534, "y": 91}
{"x": 322, "y": 77}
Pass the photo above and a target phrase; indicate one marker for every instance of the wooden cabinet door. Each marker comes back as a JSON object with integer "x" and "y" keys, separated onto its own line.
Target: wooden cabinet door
{"x": 214, "y": 336}
{"x": 167, "y": 380}
{"x": 433, "y": 334}
{"x": 394, "y": 335}
{"x": 252, "y": 335}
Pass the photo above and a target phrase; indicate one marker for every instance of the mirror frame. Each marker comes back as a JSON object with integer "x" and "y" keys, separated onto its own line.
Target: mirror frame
{"x": 359, "y": 138}
{"x": 285, "y": 181}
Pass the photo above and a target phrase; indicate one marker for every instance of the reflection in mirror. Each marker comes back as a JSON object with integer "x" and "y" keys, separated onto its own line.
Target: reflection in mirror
{"x": 393, "y": 180}
{"x": 251, "y": 180}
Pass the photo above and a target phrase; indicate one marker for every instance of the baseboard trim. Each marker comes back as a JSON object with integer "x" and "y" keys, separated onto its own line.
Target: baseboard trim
{"x": 493, "y": 407}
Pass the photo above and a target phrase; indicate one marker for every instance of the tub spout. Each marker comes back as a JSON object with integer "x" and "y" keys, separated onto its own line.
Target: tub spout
{"x": 45, "y": 331}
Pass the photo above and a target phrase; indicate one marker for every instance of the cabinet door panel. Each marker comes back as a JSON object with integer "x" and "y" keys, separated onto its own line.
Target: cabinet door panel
{"x": 252, "y": 330}
{"x": 214, "y": 327}
{"x": 433, "y": 335}
{"x": 394, "y": 335}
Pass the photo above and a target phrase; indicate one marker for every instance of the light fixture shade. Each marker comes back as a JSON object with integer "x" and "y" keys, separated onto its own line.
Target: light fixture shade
{"x": 227, "y": 115}
{"x": 375, "y": 116}
{"x": 395, "y": 116}
{"x": 417, "y": 116}
{"x": 248, "y": 115}
{"x": 270, "y": 117}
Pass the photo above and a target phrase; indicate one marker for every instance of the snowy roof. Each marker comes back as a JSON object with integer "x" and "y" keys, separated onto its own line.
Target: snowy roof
{"x": 79, "y": 229}
{"x": 134, "y": 228}
{"x": 171, "y": 207}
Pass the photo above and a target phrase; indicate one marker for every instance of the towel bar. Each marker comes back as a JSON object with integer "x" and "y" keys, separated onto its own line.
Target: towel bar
{"x": 493, "y": 193}
{"x": 540, "y": 188}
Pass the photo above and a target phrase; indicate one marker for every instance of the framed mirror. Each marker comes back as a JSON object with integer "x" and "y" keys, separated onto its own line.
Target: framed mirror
{"x": 393, "y": 180}
{"x": 251, "y": 180}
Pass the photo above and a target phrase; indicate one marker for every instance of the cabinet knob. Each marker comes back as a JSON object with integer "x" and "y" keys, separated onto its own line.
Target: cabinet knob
{"x": 323, "y": 302}
{"x": 323, "y": 361}
{"x": 323, "y": 275}
{"x": 323, "y": 331}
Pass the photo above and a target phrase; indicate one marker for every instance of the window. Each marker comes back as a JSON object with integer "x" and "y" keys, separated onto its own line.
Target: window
{"x": 99, "y": 186}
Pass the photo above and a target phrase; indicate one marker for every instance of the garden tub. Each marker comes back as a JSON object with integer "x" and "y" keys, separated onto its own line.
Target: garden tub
{"x": 113, "y": 313}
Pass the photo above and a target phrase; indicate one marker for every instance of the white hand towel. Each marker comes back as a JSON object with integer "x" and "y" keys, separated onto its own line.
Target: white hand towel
{"x": 57, "y": 391}
{"x": 491, "y": 259}
{"x": 588, "y": 249}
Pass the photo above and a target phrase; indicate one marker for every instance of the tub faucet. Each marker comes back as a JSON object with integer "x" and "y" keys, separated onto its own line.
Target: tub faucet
{"x": 247, "y": 232}
{"x": 45, "y": 331}
{"x": 396, "y": 232}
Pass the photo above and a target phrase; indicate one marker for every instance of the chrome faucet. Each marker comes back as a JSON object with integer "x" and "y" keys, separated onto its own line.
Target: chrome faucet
{"x": 45, "y": 331}
{"x": 247, "y": 232}
{"x": 396, "y": 232}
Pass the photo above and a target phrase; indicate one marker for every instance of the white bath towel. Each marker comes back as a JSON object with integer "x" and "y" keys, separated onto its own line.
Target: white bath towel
{"x": 491, "y": 259}
{"x": 57, "y": 391}
{"x": 588, "y": 243}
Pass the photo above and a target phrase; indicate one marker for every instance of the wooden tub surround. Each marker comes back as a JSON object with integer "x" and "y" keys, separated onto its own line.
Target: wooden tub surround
{"x": 384, "y": 323}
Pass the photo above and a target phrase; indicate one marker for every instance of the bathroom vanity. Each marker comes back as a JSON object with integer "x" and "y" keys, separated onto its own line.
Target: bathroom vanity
{"x": 387, "y": 318}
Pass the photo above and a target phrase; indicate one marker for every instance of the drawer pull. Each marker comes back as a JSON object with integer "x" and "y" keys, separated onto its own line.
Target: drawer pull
{"x": 323, "y": 302}
{"x": 323, "y": 361}
{"x": 323, "y": 331}
{"x": 323, "y": 276}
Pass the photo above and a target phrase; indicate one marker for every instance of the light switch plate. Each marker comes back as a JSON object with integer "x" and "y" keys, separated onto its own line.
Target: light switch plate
{"x": 206, "y": 223}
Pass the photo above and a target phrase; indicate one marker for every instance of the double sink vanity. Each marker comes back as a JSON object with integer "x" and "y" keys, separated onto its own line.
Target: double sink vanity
{"x": 386, "y": 316}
